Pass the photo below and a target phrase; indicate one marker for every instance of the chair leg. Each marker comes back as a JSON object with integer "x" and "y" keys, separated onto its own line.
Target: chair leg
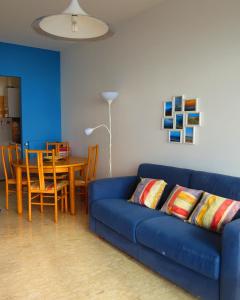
{"x": 86, "y": 199}
{"x": 29, "y": 207}
{"x": 41, "y": 201}
{"x": 66, "y": 199}
{"x": 62, "y": 199}
{"x": 55, "y": 208}
{"x": 7, "y": 195}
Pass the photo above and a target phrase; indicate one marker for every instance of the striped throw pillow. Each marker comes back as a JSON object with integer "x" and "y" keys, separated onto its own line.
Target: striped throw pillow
{"x": 181, "y": 202}
{"x": 213, "y": 212}
{"x": 148, "y": 192}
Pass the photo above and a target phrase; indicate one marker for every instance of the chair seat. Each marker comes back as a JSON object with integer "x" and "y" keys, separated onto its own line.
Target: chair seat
{"x": 49, "y": 186}
{"x": 186, "y": 244}
{"x": 14, "y": 181}
{"x": 80, "y": 182}
{"x": 59, "y": 176}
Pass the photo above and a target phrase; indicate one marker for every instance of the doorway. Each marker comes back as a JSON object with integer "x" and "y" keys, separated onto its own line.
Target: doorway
{"x": 10, "y": 112}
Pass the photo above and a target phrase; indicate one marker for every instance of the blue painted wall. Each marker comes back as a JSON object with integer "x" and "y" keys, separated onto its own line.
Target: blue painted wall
{"x": 39, "y": 70}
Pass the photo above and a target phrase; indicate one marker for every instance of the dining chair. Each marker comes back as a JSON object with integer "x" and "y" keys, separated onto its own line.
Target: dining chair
{"x": 62, "y": 148}
{"x": 89, "y": 173}
{"x": 42, "y": 188}
{"x": 8, "y": 155}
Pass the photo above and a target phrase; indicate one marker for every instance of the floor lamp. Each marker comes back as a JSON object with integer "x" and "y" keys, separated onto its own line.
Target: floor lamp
{"x": 109, "y": 97}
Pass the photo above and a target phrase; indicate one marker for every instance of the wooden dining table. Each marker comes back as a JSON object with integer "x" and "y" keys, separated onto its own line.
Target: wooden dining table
{"x": 69, "y": 165}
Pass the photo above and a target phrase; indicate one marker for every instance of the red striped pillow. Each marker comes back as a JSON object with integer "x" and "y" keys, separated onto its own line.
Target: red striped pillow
{"x": 214, "y": 212}
{"x": 148, "y": 192}
{"x": 181, "y": 202}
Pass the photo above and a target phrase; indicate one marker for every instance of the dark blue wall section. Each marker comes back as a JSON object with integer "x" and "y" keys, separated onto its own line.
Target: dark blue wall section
{"x": 40, "y": 90}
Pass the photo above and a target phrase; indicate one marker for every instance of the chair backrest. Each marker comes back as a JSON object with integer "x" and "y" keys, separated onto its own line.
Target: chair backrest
{"x": 5, "y": 162}
{"x": 14, "y": 155}
{"x": 35, "y": 161}
{"x": 9, "y": 154}
{"x": 92, "y": 163}
{"x": 62, "y": 148}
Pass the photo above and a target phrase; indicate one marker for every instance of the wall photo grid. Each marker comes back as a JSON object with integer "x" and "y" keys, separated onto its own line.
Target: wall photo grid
{"x": 181, "y": 119}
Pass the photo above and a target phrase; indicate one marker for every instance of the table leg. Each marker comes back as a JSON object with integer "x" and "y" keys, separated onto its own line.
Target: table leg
{"x": 72, "y": 190}
{"x": 19, "y": 190}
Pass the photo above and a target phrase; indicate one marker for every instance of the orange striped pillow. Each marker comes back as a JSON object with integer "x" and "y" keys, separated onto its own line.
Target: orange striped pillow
{"x": 214, "y": 212}
{"x": 148, "y": 192}
{"x": 181, "y": 202}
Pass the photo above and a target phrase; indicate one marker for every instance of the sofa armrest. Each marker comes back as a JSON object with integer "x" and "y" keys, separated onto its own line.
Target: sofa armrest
{"x": 230, "y": 266}
{"x": 120, "y": 187}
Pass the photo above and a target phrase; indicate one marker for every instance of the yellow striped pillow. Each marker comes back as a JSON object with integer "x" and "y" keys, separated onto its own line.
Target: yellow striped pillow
{"x": 181, "y": 202}
{"x": 214, "y": 212}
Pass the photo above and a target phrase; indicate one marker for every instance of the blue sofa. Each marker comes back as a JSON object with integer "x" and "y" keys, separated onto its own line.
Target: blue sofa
{"x": 204, "y": 263}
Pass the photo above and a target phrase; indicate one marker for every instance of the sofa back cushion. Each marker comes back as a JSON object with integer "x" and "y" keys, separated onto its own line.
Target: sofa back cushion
{"x": 221, "y": 185}
{"x": 171, "y": 175}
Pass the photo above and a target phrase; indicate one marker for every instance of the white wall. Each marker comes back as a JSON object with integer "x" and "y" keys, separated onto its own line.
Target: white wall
{"x": 187, "y": 47}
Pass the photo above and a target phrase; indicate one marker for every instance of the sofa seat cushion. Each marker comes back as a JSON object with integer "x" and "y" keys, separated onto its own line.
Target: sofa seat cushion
{"x": 122, "y": 216}
{"x": 186, "y": 244}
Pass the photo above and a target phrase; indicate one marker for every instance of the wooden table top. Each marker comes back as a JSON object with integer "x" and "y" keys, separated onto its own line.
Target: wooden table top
{"x": 67, "y": 162}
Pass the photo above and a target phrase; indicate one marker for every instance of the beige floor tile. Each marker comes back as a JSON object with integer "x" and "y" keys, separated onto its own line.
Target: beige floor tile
{"x": 42, "y": 260}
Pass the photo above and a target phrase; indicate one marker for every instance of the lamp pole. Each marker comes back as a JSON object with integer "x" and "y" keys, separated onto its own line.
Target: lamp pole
{"x": 110, "y": 137}
{"x": 109, "y": 97}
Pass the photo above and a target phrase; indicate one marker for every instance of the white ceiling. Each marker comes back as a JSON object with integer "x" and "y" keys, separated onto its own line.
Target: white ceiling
{"x": 16, "y": 17}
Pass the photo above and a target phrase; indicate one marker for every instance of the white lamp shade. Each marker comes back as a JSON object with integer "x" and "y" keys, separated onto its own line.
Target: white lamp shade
{"x": 110, "y": 96}
{"x": 61, "y": 26}
{"x": 89, "y": 131}
{"x": 73, "y": 23}
{"x": 74, "y": 9}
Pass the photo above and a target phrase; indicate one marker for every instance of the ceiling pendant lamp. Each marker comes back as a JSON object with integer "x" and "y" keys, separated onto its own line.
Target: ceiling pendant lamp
{"x": 73, "y": 23}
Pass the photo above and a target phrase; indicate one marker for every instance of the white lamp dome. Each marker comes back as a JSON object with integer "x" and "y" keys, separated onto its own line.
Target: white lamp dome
{"x": 110, "y": 96}
{"x": 88, "y": 131}
{"x": 73, "y": 23}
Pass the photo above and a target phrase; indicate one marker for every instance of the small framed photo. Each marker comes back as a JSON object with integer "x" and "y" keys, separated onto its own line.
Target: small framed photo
{"x": 194, "y": 119}
{"x": 168, "y": 109}
{"x": 179, "y": 120}
{"x": 178, "y": 103}
{"x": 189, "y": 135}
{"x": 175, "y": 136}
{"x": 168, "y": 123}
{"x": 191, "y": 105}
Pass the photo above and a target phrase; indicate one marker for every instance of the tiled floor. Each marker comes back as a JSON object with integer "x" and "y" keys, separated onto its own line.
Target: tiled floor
{"x": 41, "y": 260}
